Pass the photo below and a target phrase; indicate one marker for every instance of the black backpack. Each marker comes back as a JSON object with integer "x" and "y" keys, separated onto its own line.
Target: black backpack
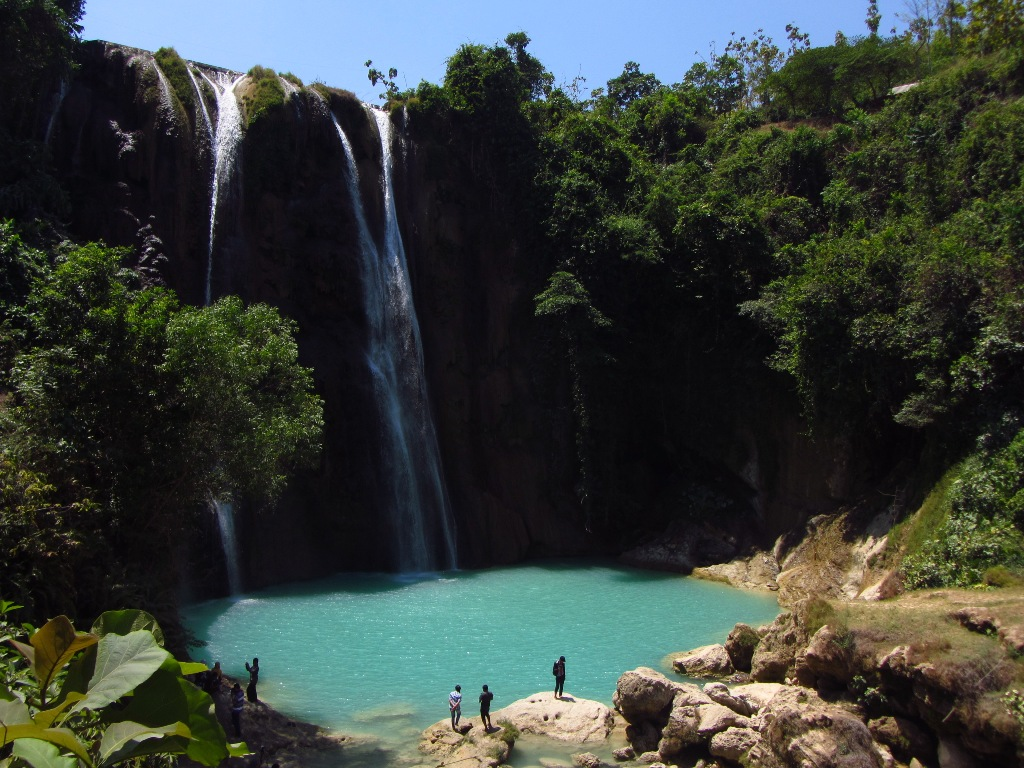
{"x": 554, "y": 669}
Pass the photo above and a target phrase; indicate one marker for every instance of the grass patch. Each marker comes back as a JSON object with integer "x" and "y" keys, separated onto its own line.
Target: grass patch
{"x": 262, "y": 94}
{"x": 509, "y": 732}
{"x": 176, "y": 71}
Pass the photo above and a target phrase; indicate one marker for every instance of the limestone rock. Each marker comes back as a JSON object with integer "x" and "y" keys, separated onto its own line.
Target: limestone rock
{"x": 775, "y": 654}
{"x": 740, "y": 645}
{"x": 733, "y": 744}
{"x": 587, "y": 760}
{"x": 643, "y": 737}
{"x": 976, "y": 619}
{"x": 755, "y": 695}
{"x": 470, "y": 749}
{"x": 706, "y": 661}
{"x": 648, "y": 758}
{"x": 1012, "y": 637}
{"x": 826, "y": 661}
{"x": 714, "y": 718}
{"x": 680, "y": 732}
{"x": 799, "y": 728}
{"x": 580, "y": 721}
{"x": 952, "y": 755}
{"x": 623, "y": 754}
{"x": 720, "y": 694}
{"x": 905, "y": 738}
{"x": 644, "y": 694}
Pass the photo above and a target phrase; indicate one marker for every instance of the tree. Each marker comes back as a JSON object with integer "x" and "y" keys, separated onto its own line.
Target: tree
{"x": 631, "y": 85}
{"x": 37, "y": 44}
{"x": 147, "y": 410}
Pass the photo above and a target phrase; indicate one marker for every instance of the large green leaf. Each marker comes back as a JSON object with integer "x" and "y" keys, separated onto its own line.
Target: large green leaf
{"x": 192, "y": 667}
{"x": 122, "y": 741}
{"x": 62, "y": 737}
{"x": 126, "y": 622}
{"x": 209, "y": 743}
{"x": 47, "y": 717}
{"x": 123, "y": 662}
{"x": 53, "y": 645}
{"x": 80, "y": 672}
{"x": 158, "y": 701}
{"x": 42, "y": 754}
{"x": 14, "y": 712}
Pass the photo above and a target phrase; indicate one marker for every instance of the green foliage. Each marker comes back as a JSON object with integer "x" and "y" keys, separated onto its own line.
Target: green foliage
{"x": 509, "y": 732}
{"x": 176, "y": 71}
{"x": 262, "y": 94}
{"x": 102, "y": 698}
{"x": 38, "y": 40}
{"x": 983, "y": 525}
{"x": 128, "y": 413}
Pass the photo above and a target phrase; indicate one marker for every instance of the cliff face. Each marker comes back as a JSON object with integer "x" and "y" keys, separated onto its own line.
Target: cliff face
{"x": 139, "y": 166}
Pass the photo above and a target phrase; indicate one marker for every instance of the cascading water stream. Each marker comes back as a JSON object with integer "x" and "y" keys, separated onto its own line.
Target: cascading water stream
{"x": 202, "y": 104}
{"x": 225, "y": 512}
{"x": 416, "y": 497}
{"x": 225, "y": 164}
{"x": 225, "y": 140}
{"x": 58, "y": 102}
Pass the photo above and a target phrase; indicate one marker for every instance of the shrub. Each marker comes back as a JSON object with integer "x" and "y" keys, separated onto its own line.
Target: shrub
{"x": 264, "y": 93}
{"x": 509, "y": 732}
{"x": 1000, "y": 576}
{"x": 176, "y": 71}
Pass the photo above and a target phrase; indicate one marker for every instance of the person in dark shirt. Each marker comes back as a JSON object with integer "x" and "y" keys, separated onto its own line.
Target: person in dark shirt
{"x": 485, "y": 708}
{"x": 558, "y": 670}
{"x": 254, "y": 677}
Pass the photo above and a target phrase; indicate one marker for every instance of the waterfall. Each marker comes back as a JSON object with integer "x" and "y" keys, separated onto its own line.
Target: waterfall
{"x": 415, "y": 497}
{"x": 225, "y": 512}
{"x": 225, "y": 153}
{"x": 226, "y": 141}
{"x": 202, "y": 103}
{"x": 58, "y": 101}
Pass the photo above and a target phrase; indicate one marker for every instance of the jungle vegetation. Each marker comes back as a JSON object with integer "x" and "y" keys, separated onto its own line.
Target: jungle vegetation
{"x": 778, "y": 212}
{"x": 783, "y": 210}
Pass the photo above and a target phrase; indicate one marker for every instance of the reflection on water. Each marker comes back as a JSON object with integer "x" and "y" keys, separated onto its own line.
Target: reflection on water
{"x": 375, "y": 655}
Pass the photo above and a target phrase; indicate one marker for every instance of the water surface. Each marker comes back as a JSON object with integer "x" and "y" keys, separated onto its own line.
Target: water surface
{"x": 377, "y": 654}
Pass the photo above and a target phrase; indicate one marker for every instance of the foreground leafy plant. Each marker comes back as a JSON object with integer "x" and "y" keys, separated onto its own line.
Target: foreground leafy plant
{"x": 100, "y": 698}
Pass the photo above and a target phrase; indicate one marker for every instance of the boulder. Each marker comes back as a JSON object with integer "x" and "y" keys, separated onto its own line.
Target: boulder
{"x": 799, "y": 728}
{"x": 755, "y": 695}
{"x": 826, "y": 661}
{"x": 976, "y": 619}
{"x": 720, "y": 694}
{"x": 740, "y": 646}
{"x": 775, "y": 654}
{"x": 681, "y": 731}
{"x": 587, "y": 760}
{"x": 1012, "y": 636}
{"x": 643, "y": 737}
{"x": 905, "y": 739}
{"x": 470, "y": 748}
{"x": 624, "y": 753}
{"x": 580, "y": 721}
{"x": 706, "y": 661}
{"x": 733, "y": 744}
{"x": 952, "y": 755}
{"x": 644, "y": 694}
{"x": 715, "y": 718}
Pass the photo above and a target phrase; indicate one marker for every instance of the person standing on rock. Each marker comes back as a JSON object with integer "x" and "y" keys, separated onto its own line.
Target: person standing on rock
{"x": 254, "y": 677}
{"x": 237, "y": 703}
{"x": 485, "y": 709}
{"x": 558, "y": 670}
{"x": 455, "y": 705}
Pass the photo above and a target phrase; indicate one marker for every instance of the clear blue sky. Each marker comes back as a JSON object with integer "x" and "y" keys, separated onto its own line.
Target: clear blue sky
{"x": 329, "y": 40}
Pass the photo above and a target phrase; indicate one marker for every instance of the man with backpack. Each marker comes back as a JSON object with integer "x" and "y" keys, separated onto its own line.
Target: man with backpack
{"x": 558, "y": 670}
